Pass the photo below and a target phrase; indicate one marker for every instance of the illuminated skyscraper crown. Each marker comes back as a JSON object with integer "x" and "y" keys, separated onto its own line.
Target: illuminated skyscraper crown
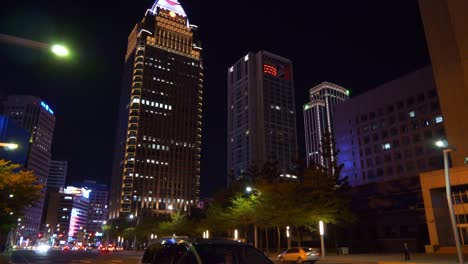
{"x": 171, "y": 5}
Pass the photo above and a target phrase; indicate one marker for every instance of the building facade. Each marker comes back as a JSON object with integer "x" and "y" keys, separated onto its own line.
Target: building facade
{"x": 158, "y": 144}
{"x": 261, "y": 113}
{"x": 98, "y": 206}
{"x": 57, "y": 173}
{"x": 386, "y": 137}
{"x": 445, "y": 27}
{"x": 37, "y": 118}
{"x": 67, "y": 213}
{"x": 318, "y": 118}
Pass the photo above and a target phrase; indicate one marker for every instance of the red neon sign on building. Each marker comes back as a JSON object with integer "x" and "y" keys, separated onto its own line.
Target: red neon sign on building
{"x": 270, "y": 69}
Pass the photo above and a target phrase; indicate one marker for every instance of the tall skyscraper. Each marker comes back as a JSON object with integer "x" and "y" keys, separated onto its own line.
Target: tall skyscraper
{"x": 157, "y": 155}
{"x": 36, "y": 117}
{"x": 261, "y": 113}
{"x": 318, "y": 118}
{"x": 57, "y": 173}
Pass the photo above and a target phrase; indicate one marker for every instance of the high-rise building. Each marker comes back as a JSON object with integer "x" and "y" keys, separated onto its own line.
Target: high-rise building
{"x": 318, "y": 118}
{"x": 445, "y": 27}
{"x": 446, "y": 35}
{"x": 67, "y": 213}
{"x": 98, "y": 206}
{"x": 11, "y": 133}
{"x": 386, "y": 139}
{"x": 36, "y": 117}
{"x": 158, "y": 144}
{"x": 261, "y": 113}
{"x": 57, "y": 173}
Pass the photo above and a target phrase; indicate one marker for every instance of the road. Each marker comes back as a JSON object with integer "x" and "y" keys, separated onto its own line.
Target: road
{"x": 73, "y": 257}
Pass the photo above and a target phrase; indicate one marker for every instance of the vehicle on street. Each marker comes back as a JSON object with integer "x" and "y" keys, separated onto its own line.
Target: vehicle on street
{"x": 200, "y": 251}
{"x": 299, "y": 255}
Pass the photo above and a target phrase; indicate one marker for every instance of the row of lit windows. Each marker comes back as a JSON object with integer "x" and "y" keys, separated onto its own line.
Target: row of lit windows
{"x": 182, "y": 144}
{"x": 162, "y": 80}
{"x": 155, "y": 146}
{"x": 155, "y": 104}
{"x": 158, "y": 66}
{"x": 154, "y": 162}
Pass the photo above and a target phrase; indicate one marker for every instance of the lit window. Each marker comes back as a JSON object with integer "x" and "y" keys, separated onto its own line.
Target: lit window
{"x": 412, "y": 114}
{"x": 136, "y": 100}
{"x": 278, "y": 108}
{"x": 386, "y": 146}
{"x": 439, "y": 119}
{"x": 231, "y": 69}
{"x": 246, "y": 58}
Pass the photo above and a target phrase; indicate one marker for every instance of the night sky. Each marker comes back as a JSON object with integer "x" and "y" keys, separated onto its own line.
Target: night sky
{"x": 355, "y": 44}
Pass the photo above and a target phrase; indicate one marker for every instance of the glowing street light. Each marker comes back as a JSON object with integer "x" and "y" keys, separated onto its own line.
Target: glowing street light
{"x": 10, "y": 146}
{"x": 131, "y": 216}
{"x": 60, "y": 50}
{"x": 248, "y": 189}
{"x": 322, "y": 232}
{"x": 236, "y": 234}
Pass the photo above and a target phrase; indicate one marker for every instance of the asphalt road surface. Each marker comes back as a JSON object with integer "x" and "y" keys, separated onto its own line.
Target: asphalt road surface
{"x": 73, "y": 257}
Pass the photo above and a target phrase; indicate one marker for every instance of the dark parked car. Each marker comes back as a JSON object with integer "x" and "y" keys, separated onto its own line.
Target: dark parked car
{"x": 206, "y": 251}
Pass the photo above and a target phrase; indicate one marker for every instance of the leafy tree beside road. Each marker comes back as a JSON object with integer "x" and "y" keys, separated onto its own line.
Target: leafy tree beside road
{"x": 18, "y": 189}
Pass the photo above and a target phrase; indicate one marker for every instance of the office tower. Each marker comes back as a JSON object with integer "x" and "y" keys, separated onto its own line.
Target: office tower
{"x": 445, "y": 27}
{"x": 446, "y": 35}
{"x": 261, "y": 113}
{"x": 386, "y": 140}
{"x": 57, "y": 174}
{"x": 318, "y": 118}
{"x": 98, "y": 206}
{"x": 67, "y": 214}
{"x": 36, "y": 117}
{"x": 11, "y": 133}
{"x": 157, "y": 155}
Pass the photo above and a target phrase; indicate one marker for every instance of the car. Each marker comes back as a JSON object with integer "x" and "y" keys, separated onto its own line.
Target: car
{"x": 199, "y": 251}
{"x": 103, "y": 249}
{"x": 66, "y": 248}
{"x": 299, "y": 255}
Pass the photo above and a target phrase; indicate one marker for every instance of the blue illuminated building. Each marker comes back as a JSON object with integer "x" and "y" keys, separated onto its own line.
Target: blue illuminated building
{"x": 10, "y": 132}
{"x": 32, "y": 114}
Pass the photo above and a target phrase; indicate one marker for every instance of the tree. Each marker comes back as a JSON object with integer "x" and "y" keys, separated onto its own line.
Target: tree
{"x": 18, "y": 189}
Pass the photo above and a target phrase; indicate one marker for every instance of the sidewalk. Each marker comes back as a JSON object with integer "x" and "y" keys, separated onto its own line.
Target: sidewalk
{"x": 392, "y": 259}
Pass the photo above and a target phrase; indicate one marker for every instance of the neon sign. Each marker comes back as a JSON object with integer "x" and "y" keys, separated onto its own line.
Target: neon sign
{"x": 269, "y": 69}
{"x": 46, "y": 107}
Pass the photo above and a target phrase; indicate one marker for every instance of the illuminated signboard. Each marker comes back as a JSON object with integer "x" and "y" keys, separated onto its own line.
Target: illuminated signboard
{"x": 46, "y": 107}
{"x": 280, "y": 71}
{"x": 269, "y": 69}
{"x": 73, "y": 222}
{"x": 77, "y": 191}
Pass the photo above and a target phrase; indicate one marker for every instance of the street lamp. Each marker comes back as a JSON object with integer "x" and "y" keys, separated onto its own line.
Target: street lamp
{"x": 136, "y": 227}
{"x": 322, "y": 232}
{"x": 60, "y": 50}
{"x": 248, "y": 189}
{"x": 10, "y": 146}
{"x": 446, "y": 150}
